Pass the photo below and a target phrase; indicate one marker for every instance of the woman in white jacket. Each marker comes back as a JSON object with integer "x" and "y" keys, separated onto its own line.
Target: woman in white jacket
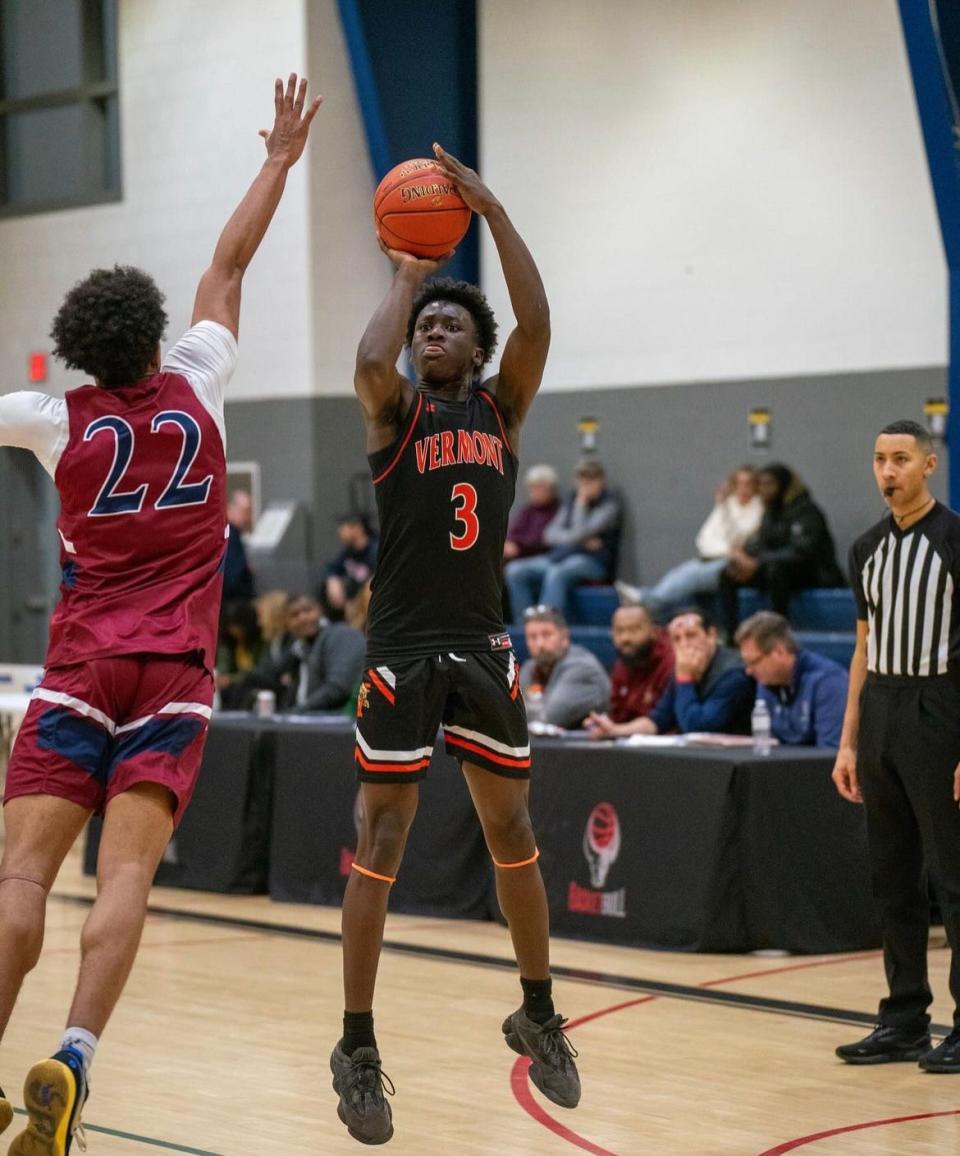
{"x": 734, "y": 518}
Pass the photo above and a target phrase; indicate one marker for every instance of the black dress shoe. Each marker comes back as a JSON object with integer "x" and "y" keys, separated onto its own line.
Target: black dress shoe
{"x": 889, "y": 1045}
{"x": 945, "y": 1057}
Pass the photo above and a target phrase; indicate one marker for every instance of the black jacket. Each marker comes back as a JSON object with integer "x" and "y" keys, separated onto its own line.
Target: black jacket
{"x": 795, "y": 531}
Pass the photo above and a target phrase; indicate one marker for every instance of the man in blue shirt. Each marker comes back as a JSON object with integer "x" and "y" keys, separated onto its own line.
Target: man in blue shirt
{"x": 805, "y": 692}
{"x": 709, "y": 691}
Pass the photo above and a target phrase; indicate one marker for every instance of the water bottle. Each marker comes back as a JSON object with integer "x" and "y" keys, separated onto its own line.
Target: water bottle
{"x": 760, "y": 728}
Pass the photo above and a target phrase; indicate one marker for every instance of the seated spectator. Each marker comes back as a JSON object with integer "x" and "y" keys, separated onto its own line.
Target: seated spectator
{"x": 735, "y": 517}
{"x": 583, "y": 537}
{"x": 525, "y": 535}
{"x": 317, "y": 670}
{"x": 561, "y": 682}
{"x": 272, "y": 616}
{"x": 326, "y": 658}
{"x": 805, "y": 692}
{"x": 640, "y": 675}
{"x": 346, "y": 577}
{"x": 238, "y": 581}
{"x": 709, "y": 691}
{"x": 792, "y": 550}
{"x": 240, "y": 648}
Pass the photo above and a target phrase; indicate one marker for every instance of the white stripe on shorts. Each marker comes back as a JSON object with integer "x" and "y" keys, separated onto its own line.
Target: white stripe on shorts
{"x": 485, "y": 740}
{"x": 392, "y": 756}
{"x": 60, "y": 699}
{"x": 171, "y": 708}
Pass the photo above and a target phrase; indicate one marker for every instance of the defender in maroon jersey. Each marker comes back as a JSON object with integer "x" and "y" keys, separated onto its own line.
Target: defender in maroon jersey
{"x": 443, "y": 455}
{"x": 118, "y": 724}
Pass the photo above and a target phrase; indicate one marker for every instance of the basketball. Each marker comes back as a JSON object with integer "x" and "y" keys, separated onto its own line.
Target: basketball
{"x": 418, "y": 210}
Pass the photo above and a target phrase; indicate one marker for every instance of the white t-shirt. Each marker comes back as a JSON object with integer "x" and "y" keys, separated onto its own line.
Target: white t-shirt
{"x": 206, "y": 356}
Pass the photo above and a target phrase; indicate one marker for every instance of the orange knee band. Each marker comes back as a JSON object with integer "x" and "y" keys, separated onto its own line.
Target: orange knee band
{"x": 372, "y": 874}
{"x": 523, "y": 862}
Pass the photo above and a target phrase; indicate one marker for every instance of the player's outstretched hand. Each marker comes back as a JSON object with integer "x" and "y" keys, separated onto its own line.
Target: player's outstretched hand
{"x": 426, "y": 266}
{"x": 469, "y": 185}
{"x": 287, "y": 138}
{"x": 956, "y": 785}
{"x": 845, "y": 777}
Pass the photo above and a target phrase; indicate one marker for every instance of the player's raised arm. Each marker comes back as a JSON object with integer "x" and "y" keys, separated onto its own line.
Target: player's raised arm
{"x": 381, "y": 388}
{"x": 525, "y": 352}
{"x": 218, "y": 294}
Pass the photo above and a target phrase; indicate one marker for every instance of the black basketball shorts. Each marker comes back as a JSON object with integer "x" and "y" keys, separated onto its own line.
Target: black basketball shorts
{"x": 475, "y": 698}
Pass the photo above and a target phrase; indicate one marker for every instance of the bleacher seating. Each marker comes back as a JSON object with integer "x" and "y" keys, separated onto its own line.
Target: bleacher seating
{"x": 827, "y": 609}
{"x": 595, "y": 638}
{"x": 825, "y": 621}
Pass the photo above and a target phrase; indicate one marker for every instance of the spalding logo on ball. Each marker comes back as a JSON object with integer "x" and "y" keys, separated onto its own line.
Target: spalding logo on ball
{"x": 418, "y": 210}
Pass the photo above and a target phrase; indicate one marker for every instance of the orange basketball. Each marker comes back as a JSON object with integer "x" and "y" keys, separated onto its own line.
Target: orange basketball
{"x": 418, "y": 210}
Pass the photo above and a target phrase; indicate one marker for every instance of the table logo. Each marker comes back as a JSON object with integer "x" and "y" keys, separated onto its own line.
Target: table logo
{"x": 601, "y": 842}
{"x": 601, "y": 848}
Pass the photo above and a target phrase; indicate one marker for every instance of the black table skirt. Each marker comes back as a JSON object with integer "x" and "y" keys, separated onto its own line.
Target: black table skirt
{"x": 693, "y": 849}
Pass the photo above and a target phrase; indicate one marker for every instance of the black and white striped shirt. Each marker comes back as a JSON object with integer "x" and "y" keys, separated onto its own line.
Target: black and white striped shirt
{"x": 906, "y": 583}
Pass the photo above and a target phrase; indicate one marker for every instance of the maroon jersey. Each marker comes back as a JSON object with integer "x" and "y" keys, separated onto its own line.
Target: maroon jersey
{"x": 635, "y": 692}
{"x": 142, "y": 483}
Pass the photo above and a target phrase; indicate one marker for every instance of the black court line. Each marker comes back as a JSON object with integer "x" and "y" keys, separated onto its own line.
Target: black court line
{"x": 166, "y": 1145}
{"x": 578, "y": 974}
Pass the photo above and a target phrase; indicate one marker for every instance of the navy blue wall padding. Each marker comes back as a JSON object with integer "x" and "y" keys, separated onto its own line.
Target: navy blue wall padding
{"x": 415, "y": 69}
{"x": 931, "y": 62}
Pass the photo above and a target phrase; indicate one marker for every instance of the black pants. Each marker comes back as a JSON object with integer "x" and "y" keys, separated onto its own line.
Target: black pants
{"x": 909, "y": 749}
{"x": 780, "y": 579}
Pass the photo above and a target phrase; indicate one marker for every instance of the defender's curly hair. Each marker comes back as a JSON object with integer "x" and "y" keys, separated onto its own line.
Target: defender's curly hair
{"x": 110, "y": 324}
{"x": 464, "y": 294}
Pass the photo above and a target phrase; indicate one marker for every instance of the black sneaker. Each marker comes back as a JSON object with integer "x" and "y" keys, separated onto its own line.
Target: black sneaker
{"x": 887, "y": 1045}
{"x": 54, "y": 1093}
{"x": 6, "y": 1112}
{"x": 552, "y": 1068}
{"x": 945, "y": 1057}
{"x": 359, "y": 1082}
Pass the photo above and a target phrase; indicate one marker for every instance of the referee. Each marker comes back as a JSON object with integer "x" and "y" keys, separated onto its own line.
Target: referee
{"x": 900, "y": 748}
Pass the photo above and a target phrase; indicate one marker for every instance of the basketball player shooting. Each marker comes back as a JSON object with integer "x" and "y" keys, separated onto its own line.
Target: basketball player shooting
{"x": 443, "y": 455}
{"x": 119, "y": 722}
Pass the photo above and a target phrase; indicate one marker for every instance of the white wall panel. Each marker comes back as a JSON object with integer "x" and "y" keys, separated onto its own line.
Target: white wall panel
{"x": 196, "y": 83}
{"x": 713, "y": 189}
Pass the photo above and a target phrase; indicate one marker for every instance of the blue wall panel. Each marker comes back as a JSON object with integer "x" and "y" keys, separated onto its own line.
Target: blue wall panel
{"x": 415, "y": 69}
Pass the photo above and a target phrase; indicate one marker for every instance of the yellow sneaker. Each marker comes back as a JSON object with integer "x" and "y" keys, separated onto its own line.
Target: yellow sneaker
{"x": 54, "y": 1093}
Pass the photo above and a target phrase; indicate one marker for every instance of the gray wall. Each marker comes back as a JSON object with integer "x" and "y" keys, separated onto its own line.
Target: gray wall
{"x": 665, "y": 447}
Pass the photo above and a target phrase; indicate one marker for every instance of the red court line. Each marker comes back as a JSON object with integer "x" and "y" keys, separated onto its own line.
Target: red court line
{"x": 524, "y": 1097}
{"x": 520, "y": 1084}
{"x": 792, "y": 967}
{"x": 801, "y": 1141}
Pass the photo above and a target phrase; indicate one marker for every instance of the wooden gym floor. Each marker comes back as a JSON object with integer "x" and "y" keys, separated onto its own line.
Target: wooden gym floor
{"x": 220, "y": 1044}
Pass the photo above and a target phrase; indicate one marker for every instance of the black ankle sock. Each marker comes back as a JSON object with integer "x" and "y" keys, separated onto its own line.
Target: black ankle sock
{"x": 537, "y": 1001}
{"x": 357, "y": 1031}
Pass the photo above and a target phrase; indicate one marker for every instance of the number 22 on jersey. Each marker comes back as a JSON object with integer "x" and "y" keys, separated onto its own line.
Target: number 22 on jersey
{"x": 111, "y": 501}
{"x": 466, "y": 515}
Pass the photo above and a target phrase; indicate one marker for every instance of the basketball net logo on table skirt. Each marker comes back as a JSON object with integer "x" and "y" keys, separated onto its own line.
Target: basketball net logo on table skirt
{"x": 601, "y": 849}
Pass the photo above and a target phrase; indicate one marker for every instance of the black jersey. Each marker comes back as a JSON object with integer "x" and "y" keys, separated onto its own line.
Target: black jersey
{"x": 907, "y": 586}
{"x": 444, "y": 491}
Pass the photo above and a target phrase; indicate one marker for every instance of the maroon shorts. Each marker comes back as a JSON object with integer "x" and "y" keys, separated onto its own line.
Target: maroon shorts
{"x": 93, "y": 730}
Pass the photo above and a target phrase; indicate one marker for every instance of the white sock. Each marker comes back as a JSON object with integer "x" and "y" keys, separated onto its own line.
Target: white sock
{"x": 81, "y": 1041}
